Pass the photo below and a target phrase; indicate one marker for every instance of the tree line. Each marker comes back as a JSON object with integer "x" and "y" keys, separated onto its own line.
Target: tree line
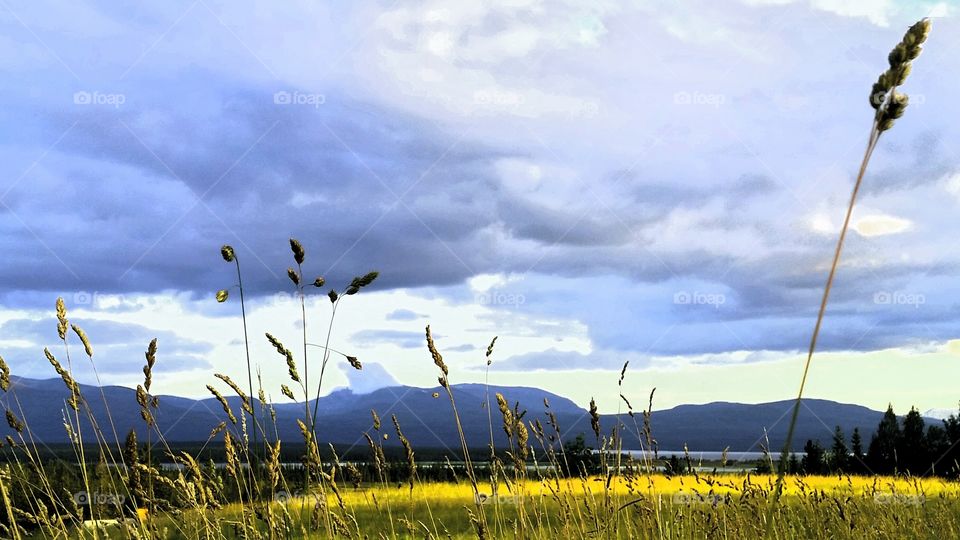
{"x": 898, "y": 446}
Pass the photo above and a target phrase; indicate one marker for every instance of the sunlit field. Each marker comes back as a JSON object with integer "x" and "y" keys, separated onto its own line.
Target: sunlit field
{"x": 655, "y": 506}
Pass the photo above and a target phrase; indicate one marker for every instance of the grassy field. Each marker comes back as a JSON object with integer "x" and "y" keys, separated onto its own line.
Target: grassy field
{"x": 654, "y": 506}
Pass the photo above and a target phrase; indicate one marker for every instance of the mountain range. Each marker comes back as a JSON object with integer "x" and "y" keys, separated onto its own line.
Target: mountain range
{"x": 428, "y": 422}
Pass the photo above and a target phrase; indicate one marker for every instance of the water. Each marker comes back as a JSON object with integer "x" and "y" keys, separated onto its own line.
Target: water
{"x": 703, "y": 455}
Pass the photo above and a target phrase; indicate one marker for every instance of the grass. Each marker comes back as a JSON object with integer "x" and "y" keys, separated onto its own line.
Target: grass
{"x": 722, "y": 506}
{"x": 627, "y": 499}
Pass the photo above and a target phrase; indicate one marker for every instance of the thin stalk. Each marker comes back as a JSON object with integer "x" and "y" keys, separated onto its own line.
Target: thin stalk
{"x": 323, "y": 365}
{"x": 246, "y": 346}
{"x": 871, "y": 145}
{"x": 306, "y": 365}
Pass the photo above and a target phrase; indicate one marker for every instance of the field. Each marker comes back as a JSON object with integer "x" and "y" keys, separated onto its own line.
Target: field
{"x": 656, "y": 506}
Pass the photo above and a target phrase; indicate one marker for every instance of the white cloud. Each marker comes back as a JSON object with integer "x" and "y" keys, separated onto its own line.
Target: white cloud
{"x": 456, "y": 324}
{"x": 880, "y": 225}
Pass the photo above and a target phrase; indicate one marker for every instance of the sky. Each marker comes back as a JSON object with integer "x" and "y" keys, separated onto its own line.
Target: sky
{"x": 594, "y": 183}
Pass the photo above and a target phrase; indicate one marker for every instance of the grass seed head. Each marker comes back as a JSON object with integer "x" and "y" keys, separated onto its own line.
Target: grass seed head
{"x": 490, "y": 349}
{"x": 297, "y": 248}
{"x": 294, "y": 276}
{"x": 151, "y": 358}
{"x": 291, "y": 365}
{"x": 360, "y": 282}
{"x": 61, "y": 319}
{"x": 222, "y": 295}
{"x": 223, "y": 403}
{"x": 143, "y": 399}
{"x": 354, "y": 362}
{"x": 889, "y": 103}
{"x": 83, "y": 339}
{"x": 14, "y": 422}
{"x": 594, "y": 418}
{"x": 411, "y": 462}
{"x": 4, "y": 375}
{"x": 247, "y": 406}
{"x": 508, "y": 420}
{"x": 437, "y": 358}
{"x": 227, "y": 253}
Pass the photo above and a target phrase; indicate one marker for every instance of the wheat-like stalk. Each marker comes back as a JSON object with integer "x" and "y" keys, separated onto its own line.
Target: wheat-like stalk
{"x": 889, "y": 105}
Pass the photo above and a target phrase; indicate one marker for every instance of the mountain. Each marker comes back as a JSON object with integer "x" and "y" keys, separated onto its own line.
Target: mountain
{"x": 428, "y": 421}
{"x": 940, "y": 414}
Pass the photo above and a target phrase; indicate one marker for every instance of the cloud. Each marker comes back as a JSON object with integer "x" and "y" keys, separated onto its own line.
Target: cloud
{"x": 404, "y": 315}
{"x": 881, "y": 225}
{"x": 372, "y": 377}
{"x": 118, "y": 349}
{"x": 400, "y": 338}
{"x": 507, "y": 168}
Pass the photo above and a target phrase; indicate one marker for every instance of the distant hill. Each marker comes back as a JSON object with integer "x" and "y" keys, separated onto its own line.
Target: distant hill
{"x": 428, "y": 421}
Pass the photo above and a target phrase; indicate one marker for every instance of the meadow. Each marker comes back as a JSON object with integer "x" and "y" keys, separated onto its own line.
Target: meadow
{"x": 534, "y": 487}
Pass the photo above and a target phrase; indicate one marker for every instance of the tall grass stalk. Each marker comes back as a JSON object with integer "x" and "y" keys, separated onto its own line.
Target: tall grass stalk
{"x": 889, "y": 105}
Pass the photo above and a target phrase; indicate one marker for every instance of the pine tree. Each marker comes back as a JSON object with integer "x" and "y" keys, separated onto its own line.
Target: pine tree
{"x": 813, "y": 461}
{"x": 912, "y": 450}
{"x": 839, "y": 454}
{"x": 882, "y": 453}
{"x": 950, "y": 458}
{"x": 856, "y": 445}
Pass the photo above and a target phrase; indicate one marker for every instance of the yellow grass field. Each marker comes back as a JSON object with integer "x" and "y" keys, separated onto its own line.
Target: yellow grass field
{"x": 641, "y": 506}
